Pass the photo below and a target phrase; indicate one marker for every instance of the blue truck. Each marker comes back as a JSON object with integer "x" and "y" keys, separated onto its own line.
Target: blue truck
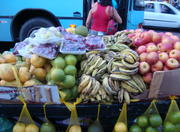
{"x": 18, "y": 18}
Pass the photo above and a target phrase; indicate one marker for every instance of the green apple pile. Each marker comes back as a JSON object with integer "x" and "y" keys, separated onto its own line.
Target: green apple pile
{"x": 144, "y": 123}
{"x": 63, "y": 74}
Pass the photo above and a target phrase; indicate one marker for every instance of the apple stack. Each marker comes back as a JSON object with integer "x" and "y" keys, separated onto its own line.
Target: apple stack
{"x": 157, "y": 51}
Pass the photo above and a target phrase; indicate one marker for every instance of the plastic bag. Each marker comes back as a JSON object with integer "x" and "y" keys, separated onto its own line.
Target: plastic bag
{"x": 96, "y": 125}
{"x": 25, "y": 116}
{"x": 149, "y": 121}
{"x": 25, "y": 121}
{"x": 172, "y": 120}
{"x": 121, "y": 123}
{"x": 74, "y": 125}
{"x": 47, "y": 126}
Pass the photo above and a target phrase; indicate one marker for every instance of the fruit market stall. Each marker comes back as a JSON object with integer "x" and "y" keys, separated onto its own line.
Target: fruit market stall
{"x": 56, "y": 73}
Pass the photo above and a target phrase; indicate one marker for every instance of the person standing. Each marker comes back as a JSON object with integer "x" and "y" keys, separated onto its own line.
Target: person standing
{"x": 100, "y": 14}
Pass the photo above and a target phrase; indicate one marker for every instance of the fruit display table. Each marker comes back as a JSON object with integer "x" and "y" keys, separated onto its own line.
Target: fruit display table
{"x": 86, "y": 112}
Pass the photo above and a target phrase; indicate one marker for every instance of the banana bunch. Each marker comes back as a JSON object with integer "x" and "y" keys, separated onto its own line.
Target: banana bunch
{"x": 122, "y": 89}
{"x": 91, "y": 90}
{"x": 94, "y": 65}
{"x": 110, "y": 75}
{"x": 120, "y": 37}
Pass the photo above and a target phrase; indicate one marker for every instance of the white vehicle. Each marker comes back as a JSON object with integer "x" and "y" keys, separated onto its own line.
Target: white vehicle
{"x": 161, "y": 14}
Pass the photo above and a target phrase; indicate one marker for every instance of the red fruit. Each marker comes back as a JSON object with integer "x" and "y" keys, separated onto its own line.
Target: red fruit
{"x": 144, "y": 67}
{"x": 147, "y": 77}
{"x": 166, "y": 47}
{"x": 152, "y": 58}
{"x": 166, "y": 68}
{"x": 143, "y": 56}
{"x": 156, "y": 38}
{"x": 151, "y": 48}
{"x": 175, "y": 38}
{"x": 141, "y": 49}
{"x": 177, "y": 45}
{"x": 163, "y": 56}
{"x": 172, "y": 63}
{"x": 157, "y": 67}
{"x": 174, "y": 54}
{"x": 167, "y": 40}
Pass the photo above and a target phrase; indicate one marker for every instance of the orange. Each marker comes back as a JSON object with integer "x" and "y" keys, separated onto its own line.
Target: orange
{"x": 142, "y": 121}
{"x": 155, "y": 120}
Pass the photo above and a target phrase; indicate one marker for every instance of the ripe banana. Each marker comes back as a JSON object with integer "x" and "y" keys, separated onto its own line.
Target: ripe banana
{"x": 84, "y": 82}
{"x": 129, "y": 88}
{"x": 130, "y": 66}
{"x": 139, "y": 81}
{"x": 126, "y": 97}
{"x": 119, "y": 77}
{"x": 107, "y": 87}
{"x": 133, "y": 84}
{"x": 86, "y": 89}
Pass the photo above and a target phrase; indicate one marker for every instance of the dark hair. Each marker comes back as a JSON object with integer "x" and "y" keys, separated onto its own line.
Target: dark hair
{"x": 106, "y": 2}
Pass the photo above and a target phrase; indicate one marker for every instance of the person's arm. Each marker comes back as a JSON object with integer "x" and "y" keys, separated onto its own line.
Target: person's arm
{"x": 88, "y": 20}
{"x": 116, "y": 16}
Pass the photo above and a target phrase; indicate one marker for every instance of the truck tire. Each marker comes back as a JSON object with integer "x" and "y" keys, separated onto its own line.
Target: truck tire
{"x": 33, "y": 24}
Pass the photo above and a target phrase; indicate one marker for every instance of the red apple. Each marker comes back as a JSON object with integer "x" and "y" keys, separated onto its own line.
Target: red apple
{"x": 148, "y": 44}
{"x": 141, "y": 49}
{"x": 166, "y": 47}
{"x": 156, "y": 38}
{"x": 172, "y": 63}
{"x": 144, "y": 67}
{"x": 143, "y": 56}
{"x": 148, "y": 77}
{"x": 165, "y": 68}
{"x": 174, "y": 54}
{"x": 167, "y": 40}
{"x": 152, "y": 58}
{"x": 168, "y": 33}
{"x": 177, "y": 45}
{"x": 151, "y": 48}
{"x": 175, "y": 38}
{"x": 157, "y": 67}
{"x": 159, "y": 46}
{"x": 163, "y": 56}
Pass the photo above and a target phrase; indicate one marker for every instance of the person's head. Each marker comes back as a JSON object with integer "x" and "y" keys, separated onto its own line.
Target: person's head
{"x": 106, "y": 2}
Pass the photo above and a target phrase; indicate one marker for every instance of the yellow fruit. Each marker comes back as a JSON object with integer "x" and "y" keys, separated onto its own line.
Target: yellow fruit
{"x": 40, "y": 74}
{"x": 120, "y": 127}
{"x": 19, "y": 127}
{"x": 6, "y": 72}
{"x": 32, "y": 82}
{"x": 47, "y": 67}
{"x": 9, "y": 58}
{"x": 6, "y": 83}
{"x": 24, "y": 74}
{"x": 31, "y": 128}
{"x": 75, "y": 128}
{"x": 37, "y": 61}
{"x": 2, "y": 60}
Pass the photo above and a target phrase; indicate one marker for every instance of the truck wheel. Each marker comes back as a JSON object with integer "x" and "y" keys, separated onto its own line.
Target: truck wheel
{"x": 33, "y": 24}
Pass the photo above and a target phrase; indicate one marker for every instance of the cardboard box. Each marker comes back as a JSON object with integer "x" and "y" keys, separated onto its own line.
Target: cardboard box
{"x": 165, "y": 84}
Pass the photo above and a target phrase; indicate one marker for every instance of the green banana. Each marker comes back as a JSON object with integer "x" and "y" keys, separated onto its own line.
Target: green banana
{"x": 133, "y": 84}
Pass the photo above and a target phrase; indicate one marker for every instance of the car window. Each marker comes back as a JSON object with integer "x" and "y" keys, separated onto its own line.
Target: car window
{"x": 149, "y": 7}
{"x": 166, "y": 9}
